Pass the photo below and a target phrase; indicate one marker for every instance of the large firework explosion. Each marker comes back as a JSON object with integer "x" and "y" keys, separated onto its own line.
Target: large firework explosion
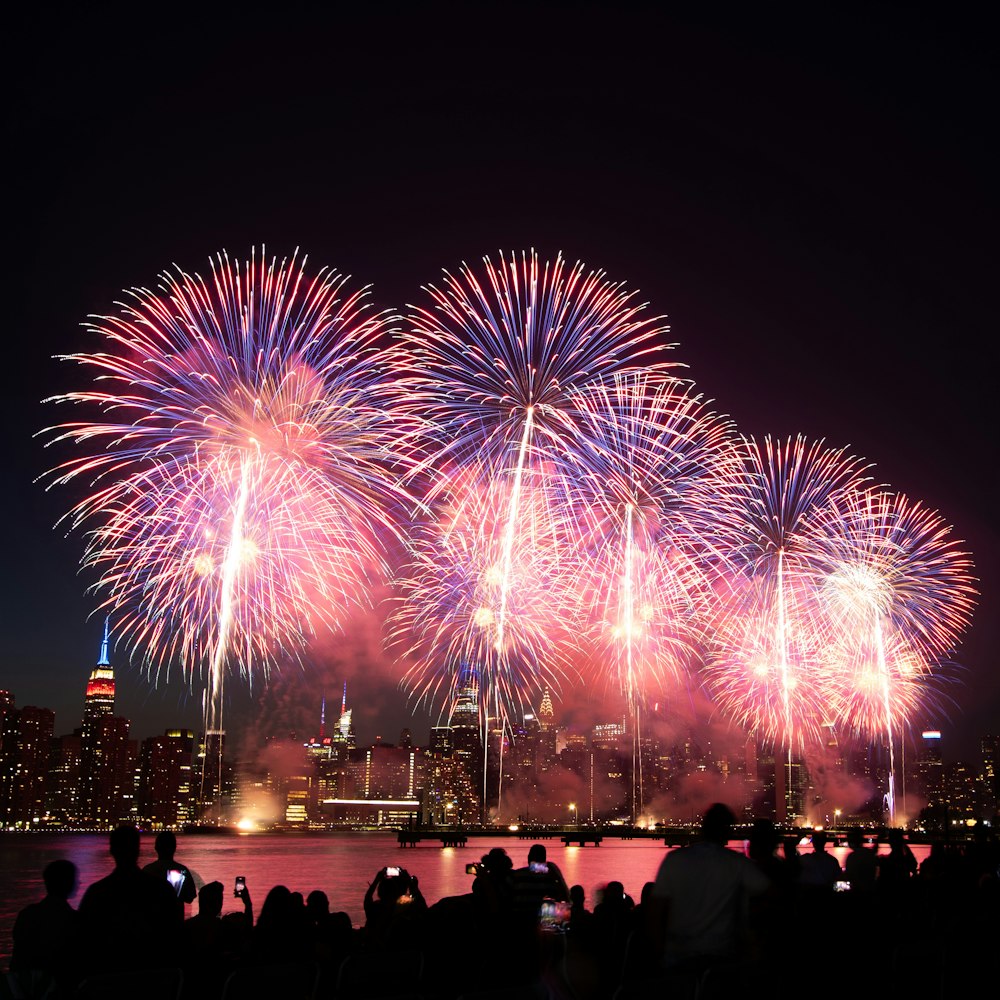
{"x": 662, "y": 463}
{"x": 239, "y": 448}
{"x": 763, "y": 670}
{"x": 894, "y": 594}
{"x": 505, "y": 366}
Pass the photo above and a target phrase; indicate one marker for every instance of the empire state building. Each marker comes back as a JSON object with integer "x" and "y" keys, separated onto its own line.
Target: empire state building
{"x": 107, "y": 754}
{"x": 99, "y": 700}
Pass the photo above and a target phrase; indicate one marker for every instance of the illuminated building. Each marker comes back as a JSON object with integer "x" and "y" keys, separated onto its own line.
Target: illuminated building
{"x": 107, "y": 761}
{"x": 989, "y": 747}
{"x": 99, "y": 700}
{"x": 343, "y": 734}
{"x": 547, "y": 732}
{"x": 930, "y": 765}
{"x": 165, "y": 779}
{"x": 214, "y": 780}
{"x": 24, "y": 764}
{"x": 65, "y": 782}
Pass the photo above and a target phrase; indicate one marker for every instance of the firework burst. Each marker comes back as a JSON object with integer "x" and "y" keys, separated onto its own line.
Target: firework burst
{"x": 664, "y": 466}
{"x": 765, "y": 670}
{"x": 896, "y": 593}
{"x": 504, "y": 369}
{"x": 239, "y": 451}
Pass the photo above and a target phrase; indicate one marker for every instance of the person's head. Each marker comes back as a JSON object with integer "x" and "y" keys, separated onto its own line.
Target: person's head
{"x": 818, "y": 839}
{"x": 317, "y": 904}
{"x": 717, "y": 823}
{"x": 536, "y": 853}
{"x": 60, "y": 878}
{"x": 394, "y": 887}
{"x": 210, "y": 899}
{"x": 895, "y": 838}
{"x": 763, "y": 839}
{"x": 855, "y": 839}
{"x": 124, "y": 845}
{"x": 497, "y": 862}
{"x": 577, "y": 896}
{"x": 277, "y": 907}
{"x": 165, "y": 845}
{"x": 614, "y": 894}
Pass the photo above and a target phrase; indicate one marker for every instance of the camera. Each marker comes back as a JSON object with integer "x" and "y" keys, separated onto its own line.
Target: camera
{"x": 241, "y": 884}
{"x": 392, "y": 872}
{"x": 176, "y": 878}
{"x": 473, "y": 869}
{"x": 841, "y": 886}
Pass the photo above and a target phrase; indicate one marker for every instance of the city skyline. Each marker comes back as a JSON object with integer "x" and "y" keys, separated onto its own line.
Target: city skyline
{"x": 888, "y": 367}
{"x": 101, "y": 773}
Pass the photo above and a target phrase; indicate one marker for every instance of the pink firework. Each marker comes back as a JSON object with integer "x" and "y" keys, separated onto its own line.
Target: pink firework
{"x": 765, "y": 669}
{"x": 896, "y": 593}
{"x": 240, "y": 451}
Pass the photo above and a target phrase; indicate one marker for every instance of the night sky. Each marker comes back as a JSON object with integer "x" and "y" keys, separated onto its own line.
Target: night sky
{"x": 811, "y": 200}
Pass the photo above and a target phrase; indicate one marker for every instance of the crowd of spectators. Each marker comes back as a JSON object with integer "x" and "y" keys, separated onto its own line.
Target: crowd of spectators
{"x": 712, "y": 918}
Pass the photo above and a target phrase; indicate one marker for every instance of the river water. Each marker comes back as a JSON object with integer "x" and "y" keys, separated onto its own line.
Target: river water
{"x": 342, "y": 864}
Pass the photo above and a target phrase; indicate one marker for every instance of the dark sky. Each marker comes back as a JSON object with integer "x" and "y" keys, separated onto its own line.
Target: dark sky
{"x": 810, "y": 198}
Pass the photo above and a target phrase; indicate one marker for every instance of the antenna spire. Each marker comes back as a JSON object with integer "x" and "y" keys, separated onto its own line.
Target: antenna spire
{"x": 102, "y": 660}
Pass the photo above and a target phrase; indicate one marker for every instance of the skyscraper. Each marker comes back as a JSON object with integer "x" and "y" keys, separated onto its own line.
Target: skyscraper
{"x": 99, "y": 700}
{"x": 107, "y": 755}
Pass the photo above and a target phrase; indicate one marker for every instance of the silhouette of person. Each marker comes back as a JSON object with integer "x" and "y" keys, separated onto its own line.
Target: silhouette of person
{"x": 762, "y": 847}
{"x": 861, "y": 865}
{"x": 537, "y": 880}
{"x": 791, "y": 856}
{"x": 896, "y": 868}
{"x": 209, "y": 952}
{"x": 45, "y": 956}
{"x": 130, "y": 918}
{"x": 179, "y": 876}
{"x": 612, "y": 925}
{"x": 820, "y": 869}
{"x": 580, "y": 917}
{"x": 394, "y": 907}
{"x": 702, "y": 895}
{"x": 280, "y": 932}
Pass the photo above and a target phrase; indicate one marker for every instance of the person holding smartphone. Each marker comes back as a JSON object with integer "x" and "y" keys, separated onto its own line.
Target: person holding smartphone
{"x": 179, "y": 876}
{"x": 394, "y": 909}
{"x": 539, "y": 879}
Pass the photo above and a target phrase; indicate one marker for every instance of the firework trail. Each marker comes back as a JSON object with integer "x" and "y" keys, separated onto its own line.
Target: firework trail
{"x": 503, "y": 369}
{"x": 765, "y": 670}
{"x": 897, "y": 593}
{"x": 238, "y": 445}
{"x": 663, "y": 464}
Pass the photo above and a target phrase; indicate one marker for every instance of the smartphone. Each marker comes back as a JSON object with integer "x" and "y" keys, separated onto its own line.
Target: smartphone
{"x": 554, "y": 915}
{"x": 841, "y": 886}
{"x": 176, "y": 878}
{"x": 392, "y": 872}
{"x": 538, "y": 867}
{"x": 241, "y": 884}
{"x": 472, "y": 869}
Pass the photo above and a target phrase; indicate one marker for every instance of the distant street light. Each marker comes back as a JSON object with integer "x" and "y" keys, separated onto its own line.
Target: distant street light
{"x": 576, "y": 819}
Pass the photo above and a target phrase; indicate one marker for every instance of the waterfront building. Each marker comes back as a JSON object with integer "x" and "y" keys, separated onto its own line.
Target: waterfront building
{"x": 24, "y": 765}
{"x": 65, "y": 781}
{"x": 166, "y": 767}
{"x": 215, "y": 783}
{"x": 108, "y": 755}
